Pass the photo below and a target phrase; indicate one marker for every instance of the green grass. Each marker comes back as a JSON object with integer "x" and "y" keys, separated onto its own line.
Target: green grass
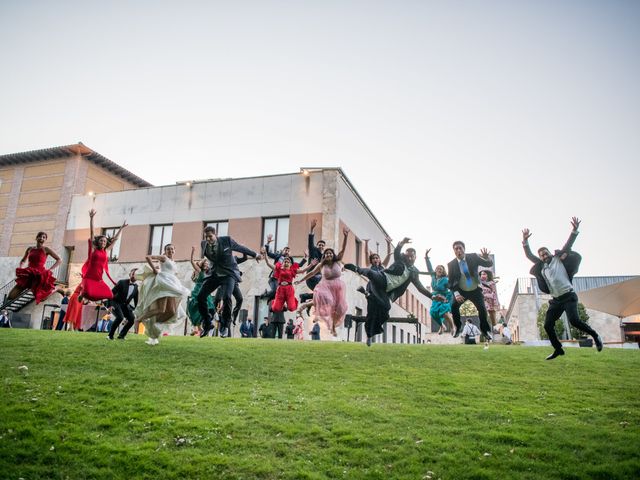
{"x": 191, "y": 408}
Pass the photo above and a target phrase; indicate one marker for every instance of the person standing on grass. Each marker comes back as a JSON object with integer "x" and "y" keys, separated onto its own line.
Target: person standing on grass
{"x": 465, "y": 284}
{"x": 554, "y": 274}
{"x": 288, "y": 331}
{"x": 315, "y": 330}
{"x": 5, "y": 322}
{"x": 470, "y": 333}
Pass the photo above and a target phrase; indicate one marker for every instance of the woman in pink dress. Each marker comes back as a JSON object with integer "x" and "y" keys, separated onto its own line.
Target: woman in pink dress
{"x": 93, "y": 286}
{"x": 490, "y": 294}
{"x": 329, "y": 296}
{"x": 35, "y": 276}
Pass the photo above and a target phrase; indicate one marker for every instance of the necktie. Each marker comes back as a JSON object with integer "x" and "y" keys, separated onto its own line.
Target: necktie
{"x": 465, "y": 269}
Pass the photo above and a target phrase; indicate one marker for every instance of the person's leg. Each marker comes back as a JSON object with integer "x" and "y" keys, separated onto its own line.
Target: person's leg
{"x": 128, "y": 314}
{"x": 209, "y": 285}
{"x": 227, "y": 285}
{"x": 553, "y": 314}
{"x": 313, "y": 281}
{"x": 292, "y": 301}
{"x": 117, "y": 312}
{"x": 476, "y": 297}
{"x": 455, "y": 313}
{"x": 237, "y": 296}
{"x": 571, "y": 308}
{"x": 278, "y": 302}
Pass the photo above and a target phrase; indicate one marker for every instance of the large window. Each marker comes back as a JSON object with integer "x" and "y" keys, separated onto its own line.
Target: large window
{"x": 279, "y": 229}
{"x": 221, "y": 226}
{"x": 160, "y": 236}
{"x": 358, "y": 252}
{"x": 114, "y": 253}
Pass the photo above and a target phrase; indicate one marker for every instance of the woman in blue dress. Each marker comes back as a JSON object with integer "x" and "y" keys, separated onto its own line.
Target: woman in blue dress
{"x": 440, "y": 310}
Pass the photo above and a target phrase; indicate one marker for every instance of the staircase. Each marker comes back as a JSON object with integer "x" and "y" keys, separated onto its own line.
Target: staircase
{"x": 25, "y": 297}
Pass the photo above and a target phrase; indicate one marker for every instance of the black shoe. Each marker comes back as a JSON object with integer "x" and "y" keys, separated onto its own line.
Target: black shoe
{"x": 369, "y": 342}
{"x": 120, "y": 338}
{"x": 109, "y": 337}
{"x": 488, "y": 337}
{"x": 362, "y": 291}
{"x": 205, "y": 332}
{"x": 457, "y": 333}
{"x": 598, "y": 340}
{"x": 556, "y": 353}
{"x": 351, "y": 266}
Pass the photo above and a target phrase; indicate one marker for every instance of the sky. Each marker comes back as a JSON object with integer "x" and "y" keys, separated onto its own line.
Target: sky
{"x": 454, "y": 120}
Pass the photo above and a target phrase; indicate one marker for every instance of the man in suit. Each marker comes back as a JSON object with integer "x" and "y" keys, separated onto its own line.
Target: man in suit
{"x": 224, "y": 273}
{"x": 387, "y": 285}
{"x": 554, "y": 274}
{"x": 316, "y": 250}
{"x": 5, "y": 322}
{"x": 465, "y": 285}
{"x": 246, "y": 329}
{"x": 124, "y": 302}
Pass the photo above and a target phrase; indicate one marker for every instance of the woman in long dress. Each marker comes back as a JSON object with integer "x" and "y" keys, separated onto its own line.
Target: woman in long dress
{"x": 93, "y": 286}
{"x": 35, "y": 276}
{"x": 160, "y": 294}
{"x": 440, "y": 310}
{"x": 200, "y": 269}
{"x": 329, "y": 296}
{"x": 490, "y": 294}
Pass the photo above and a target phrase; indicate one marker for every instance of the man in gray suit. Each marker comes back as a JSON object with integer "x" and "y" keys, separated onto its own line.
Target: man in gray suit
{"x": 224, "y": 274}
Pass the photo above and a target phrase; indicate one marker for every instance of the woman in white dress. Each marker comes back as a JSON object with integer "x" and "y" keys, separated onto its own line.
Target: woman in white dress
{"x": 160, "y": 294}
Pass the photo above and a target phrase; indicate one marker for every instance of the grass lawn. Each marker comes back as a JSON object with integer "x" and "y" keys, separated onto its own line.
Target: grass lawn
{"x": 211, "y": 408}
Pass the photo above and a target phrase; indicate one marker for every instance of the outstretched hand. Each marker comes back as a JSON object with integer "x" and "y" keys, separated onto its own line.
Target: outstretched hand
{"x": 270, "y": 238}
{"x": 426, "y": 254}
{"x": 484, "y": 253}
{"x": 92, "y": 213}
{"x": 345, "y": 231}
{"x": 525, "y": 235}
{"x": 314, "y": 222}
{"x": 575, "y": 223}
{"x": 124, "y": 224}
{"x": 405, "y": 240}
{"x": 258, "y": 258}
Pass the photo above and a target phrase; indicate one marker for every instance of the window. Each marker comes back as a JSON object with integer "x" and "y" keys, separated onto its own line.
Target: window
{"x": 358, "y": 252}
{"x": 401, "y": 336}
{"x": 221, "y": 226}
{"x": 393, "y": 334}
{"x": 114, "y": 253}
{"x": 279, "y": 229}
{"x": 408, "y": 337}
{"x": 160, "y": 236}
{"x": 384, "y": 333}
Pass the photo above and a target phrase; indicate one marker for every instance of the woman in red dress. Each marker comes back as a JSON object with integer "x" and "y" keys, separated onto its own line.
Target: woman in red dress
{"x": 93, "y": 286}
{"x": 35, "y": 276}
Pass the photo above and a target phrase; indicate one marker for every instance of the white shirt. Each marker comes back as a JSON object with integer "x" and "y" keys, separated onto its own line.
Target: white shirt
{"x": 557, "y": 277}
{"x": 471, "y": 330}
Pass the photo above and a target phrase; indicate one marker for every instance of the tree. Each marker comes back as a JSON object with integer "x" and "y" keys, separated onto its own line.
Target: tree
{"x": 559, "y": 326}
{"x": 468, "y": 309}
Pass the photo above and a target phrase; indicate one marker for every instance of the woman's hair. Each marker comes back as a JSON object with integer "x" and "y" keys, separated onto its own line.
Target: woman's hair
{"x": 371, "y": 255}
{"x": 443, "y": 269}
{"x": 324, "y": 254}
{"x": 96, "y": 241}
{"x": 167, "y": 246}
{"x": 489, "y": 274}
{"x": 42, "y": 233}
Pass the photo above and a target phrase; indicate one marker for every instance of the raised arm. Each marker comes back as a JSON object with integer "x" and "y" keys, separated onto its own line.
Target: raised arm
{"x": 484, "y": 259}
{"x": 385, "y": 262}
{"x": 397, "y": 252}
{"x": 415, "y": 279}
{"x": 525, "y": 244}
{"x": 263, "y": 251}
{"x": 236, "y": 247}
{"x": 117, "y": 235}
{"x": 151, "y": 258}
{"x": 309, "y": 267}
{"x": 92, "y": 213}
{"x": 345, "y": 233}
{"x": 267, "y": 252}
{"x": 575, "y": 223}
{"x": 194, "y": 264}
{"x": 429, "y": 266}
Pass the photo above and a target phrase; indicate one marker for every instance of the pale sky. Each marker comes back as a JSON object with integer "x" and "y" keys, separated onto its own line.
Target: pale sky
{"x": 453, "y": 119}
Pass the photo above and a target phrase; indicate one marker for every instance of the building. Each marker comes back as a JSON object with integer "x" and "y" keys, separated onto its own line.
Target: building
{"x": 36, "y": 189}
{"x": 248, "y": 209}
{"x": 527, "y": 300}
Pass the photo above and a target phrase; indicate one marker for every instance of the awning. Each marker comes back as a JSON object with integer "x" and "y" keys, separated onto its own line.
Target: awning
{"x": 620, "y": 299}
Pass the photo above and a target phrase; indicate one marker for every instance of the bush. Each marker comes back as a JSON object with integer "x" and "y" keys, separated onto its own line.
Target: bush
{"x": 559, "y": 326}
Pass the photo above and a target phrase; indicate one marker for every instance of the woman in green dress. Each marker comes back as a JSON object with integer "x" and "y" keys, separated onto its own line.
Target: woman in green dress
{"x": 200, "y": 269}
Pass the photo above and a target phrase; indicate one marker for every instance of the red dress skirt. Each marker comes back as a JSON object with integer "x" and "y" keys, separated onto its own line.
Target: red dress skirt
{"x": 93, "y": 286}
{"x": 36, "y": 277}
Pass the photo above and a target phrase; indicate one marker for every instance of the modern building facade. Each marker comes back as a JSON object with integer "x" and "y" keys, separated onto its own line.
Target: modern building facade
{"x": 248, "y": 209}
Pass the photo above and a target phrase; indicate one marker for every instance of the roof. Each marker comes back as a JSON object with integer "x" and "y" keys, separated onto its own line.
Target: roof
{"x": 75, "y": 149}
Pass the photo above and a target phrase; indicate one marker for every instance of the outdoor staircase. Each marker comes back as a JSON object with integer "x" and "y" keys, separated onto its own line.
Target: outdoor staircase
{"x": 22, "y": 300}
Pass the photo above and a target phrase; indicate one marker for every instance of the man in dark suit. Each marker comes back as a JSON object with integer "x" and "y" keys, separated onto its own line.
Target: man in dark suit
{"x": 554, "y": 274}
{"x": 224, "y": 273}
{"x": 124, "y": 294}
{"x": 387, "y": 285}
{"x": 316, "y": 250}
{"x": 465, "y": 285}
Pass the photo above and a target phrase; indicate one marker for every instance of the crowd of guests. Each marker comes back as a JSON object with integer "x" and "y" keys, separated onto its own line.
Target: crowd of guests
{"x": 154, "y": 296}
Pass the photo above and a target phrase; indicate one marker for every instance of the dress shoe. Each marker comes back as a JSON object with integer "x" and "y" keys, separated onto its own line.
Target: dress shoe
{"x": 351, "y": 266}
{"x": 362, "y": 291}
{"x": 556, "y": 353}
{"x": 109, "y": 338}
{"x": 369, "y": 342}
{"x": 487, "y": 337}
{"x": 120, "y": 338}
{"x": 598, "y": 341}
{"x": 456, "y": 333}
{"x": 205, "y": 331}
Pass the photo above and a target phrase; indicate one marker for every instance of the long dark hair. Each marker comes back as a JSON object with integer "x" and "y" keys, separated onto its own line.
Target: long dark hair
{"x": 324, "y": 261}
{"x": 97, "y": 238}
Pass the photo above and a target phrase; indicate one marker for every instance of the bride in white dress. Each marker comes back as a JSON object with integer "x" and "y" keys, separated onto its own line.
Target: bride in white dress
{"x": 160, "y": 294}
